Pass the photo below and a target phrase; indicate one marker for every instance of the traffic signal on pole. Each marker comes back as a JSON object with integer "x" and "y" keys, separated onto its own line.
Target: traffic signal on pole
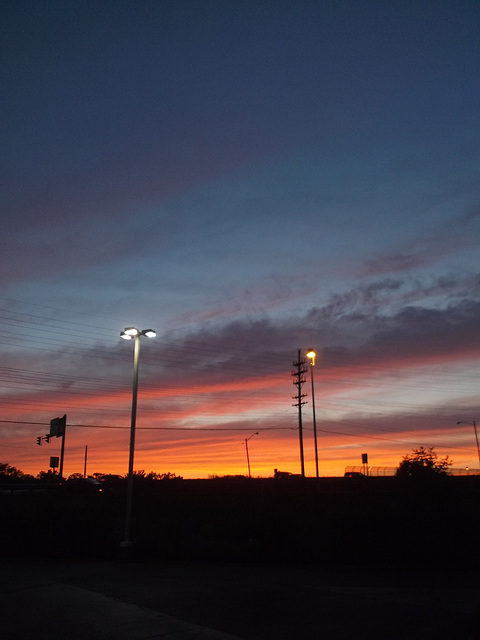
{"x": 39, "y": 440}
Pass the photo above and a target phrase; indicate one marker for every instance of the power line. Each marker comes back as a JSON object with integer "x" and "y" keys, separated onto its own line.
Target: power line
{"x": 185, "y": 429}
{"x": 234, "y": 361}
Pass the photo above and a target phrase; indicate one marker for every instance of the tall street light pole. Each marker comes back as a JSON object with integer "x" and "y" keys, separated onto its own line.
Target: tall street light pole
{"x": 131, "y": 333}
{"x": 246, "y": 449}
{"x": 474, "y": 425}
{"x": 311, "y": 354}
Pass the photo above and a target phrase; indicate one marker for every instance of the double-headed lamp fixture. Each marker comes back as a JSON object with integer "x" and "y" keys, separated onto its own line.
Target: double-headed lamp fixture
{"x": 130, "y": 332}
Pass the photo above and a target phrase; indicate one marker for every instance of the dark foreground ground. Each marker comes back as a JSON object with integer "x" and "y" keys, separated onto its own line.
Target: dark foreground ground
{"x": 332, "y": 521}
{"x": 177, "y": 601}
{"x": 258, "y": 560}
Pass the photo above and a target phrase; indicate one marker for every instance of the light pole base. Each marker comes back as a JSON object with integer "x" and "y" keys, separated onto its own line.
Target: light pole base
{"x": 126, "y": 544}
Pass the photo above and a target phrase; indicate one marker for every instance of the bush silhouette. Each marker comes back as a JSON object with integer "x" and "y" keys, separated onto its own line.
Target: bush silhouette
{"x": 423, "y": 463}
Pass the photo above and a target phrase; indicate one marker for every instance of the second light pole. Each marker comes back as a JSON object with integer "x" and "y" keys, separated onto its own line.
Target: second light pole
{"x": 130, "y": 333}
{"x": 474, "y": 425}
{"x": 311, "y": 354}
{"x": 246, "y": 449}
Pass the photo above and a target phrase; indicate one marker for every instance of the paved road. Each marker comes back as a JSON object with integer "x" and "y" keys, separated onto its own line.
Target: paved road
{"x": 136, "y": 601}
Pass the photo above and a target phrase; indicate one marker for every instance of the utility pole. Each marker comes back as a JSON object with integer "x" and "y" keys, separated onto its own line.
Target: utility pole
{"x": 85, "y": 462}
{"x": 62, "y": 429}
{"x": 58, "y": 427}
{"x": 298, "y": 379}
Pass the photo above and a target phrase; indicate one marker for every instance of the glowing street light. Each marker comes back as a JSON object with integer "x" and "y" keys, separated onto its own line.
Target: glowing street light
{"x": 131, "y": 333}
{"x": 246, "y": 449}
{"x": 311, "y": 354}
{"x": 474, "y": 425}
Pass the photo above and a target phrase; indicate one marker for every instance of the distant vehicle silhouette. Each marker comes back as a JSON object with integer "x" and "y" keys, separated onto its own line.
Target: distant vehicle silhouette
{"x": 84, "y": 485}
{"x": 283, "y": 474}
{"x": 354, "y": 474}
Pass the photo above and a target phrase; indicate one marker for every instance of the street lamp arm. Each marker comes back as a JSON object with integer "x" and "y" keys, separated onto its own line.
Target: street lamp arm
{"x": 131, "y": 332}
{"x": 474, "y": 425}
{"x": 246, "y": 450}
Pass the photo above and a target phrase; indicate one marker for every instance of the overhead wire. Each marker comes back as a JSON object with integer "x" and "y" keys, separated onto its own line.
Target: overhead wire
{"x": 226, "y": 363}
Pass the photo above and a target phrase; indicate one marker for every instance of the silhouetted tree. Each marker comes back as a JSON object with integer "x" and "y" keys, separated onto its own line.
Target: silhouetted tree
{"x": 423, "y": 463}
{"x": 48, "y": 476}
{"x": 7, "y": 472}
{"x": 154, "y": 475}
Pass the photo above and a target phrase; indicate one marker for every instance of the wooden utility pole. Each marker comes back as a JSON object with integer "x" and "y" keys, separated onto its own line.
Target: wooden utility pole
{"x": 298, "y": 379}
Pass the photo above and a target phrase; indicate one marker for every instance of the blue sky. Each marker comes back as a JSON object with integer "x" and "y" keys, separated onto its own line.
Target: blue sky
{"x": 248, "y": 179}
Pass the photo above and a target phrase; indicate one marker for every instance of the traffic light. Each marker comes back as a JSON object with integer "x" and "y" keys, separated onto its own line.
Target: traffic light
{"x": 39, "y": 440}
{"x": 47, "y": 437}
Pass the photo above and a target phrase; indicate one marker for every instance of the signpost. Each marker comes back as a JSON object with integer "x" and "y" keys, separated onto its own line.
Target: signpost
{"x": 58, "y": 427}
{"x": 365, "y": 463}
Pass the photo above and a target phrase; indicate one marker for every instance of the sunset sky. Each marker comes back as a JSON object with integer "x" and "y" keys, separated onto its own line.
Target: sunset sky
{"x": 248, "y": 179}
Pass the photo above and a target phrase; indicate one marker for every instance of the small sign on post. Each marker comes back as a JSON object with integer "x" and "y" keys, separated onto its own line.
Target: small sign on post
{"x": 54, "y": 462}
{"x": 57, "y": 427}
{"x": 365, "y": 463}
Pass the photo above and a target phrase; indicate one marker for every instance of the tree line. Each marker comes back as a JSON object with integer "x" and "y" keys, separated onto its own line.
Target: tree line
{"x": 419, "y": 463}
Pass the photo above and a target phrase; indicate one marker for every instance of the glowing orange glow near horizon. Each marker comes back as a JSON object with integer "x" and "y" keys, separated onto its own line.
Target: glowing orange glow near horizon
{"x": 200, "y": 454}
{"x": 197, "y": 430}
